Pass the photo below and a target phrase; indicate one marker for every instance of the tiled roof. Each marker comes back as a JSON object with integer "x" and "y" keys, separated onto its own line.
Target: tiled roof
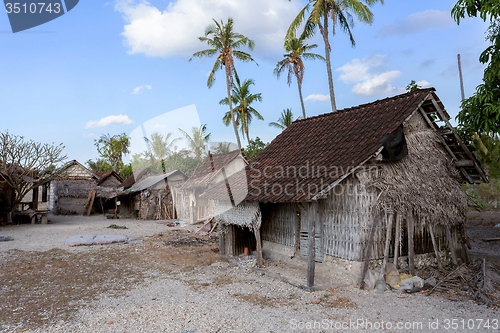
{"x": 210, "y": 167}
{"x": 313, "y": 153}
{"x": 136, "y": 175}
{"x": 104, "y": 176}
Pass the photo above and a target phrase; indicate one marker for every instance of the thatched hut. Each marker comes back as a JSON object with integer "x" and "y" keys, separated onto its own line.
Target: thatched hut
{"x": 377, "y": 181}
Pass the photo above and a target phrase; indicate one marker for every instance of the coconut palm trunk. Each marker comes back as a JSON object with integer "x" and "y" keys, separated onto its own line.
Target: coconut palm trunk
{"x": 228, "y": 83}
{"x": 299, "y": 84}
{"x": 324, "y": 32}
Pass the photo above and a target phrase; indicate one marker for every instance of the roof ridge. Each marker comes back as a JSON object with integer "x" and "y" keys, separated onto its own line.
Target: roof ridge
{"x": 354, "y": 108}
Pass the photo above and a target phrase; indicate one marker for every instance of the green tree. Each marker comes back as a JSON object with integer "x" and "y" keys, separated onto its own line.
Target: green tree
{"x": 412, "y": 86}
{"x": 27, "y": 164}
{"x": 297, "y": 49}
{"x": 222, "y": 148}
{"x": 111, "y": 150}
{"x": 224, "y": 43}
{"x": 160, "y": 148}
{"x": 285, "y": 120}
{"x": 481, "y": 112}
{"x": 340, "y": 12}
{"x": 242, "y": 98}
{"x": 487, "y": 150}
{"x": 198, "y": 139}
{"x": 254, "y": 148}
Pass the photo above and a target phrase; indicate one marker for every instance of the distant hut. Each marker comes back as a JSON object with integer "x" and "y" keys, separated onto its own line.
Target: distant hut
{"x": 377, "y": 181}
{"x": 68, "y": 193}
{"x": 215, "y": 168}
{"x": 151, "y": 198}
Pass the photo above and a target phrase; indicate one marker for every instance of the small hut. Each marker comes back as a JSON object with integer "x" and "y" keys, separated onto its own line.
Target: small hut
{"x": 151, "y": 198}
{"x": 214, "y": 169}
{"x": 377, "y": 181}
{"x": 68, "y": 193}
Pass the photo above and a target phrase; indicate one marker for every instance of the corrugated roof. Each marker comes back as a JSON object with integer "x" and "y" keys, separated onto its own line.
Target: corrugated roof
{"x": 151, "y": 181}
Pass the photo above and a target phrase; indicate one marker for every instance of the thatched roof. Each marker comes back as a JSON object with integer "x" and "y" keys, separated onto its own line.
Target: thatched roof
{"x": 330, "y": 147}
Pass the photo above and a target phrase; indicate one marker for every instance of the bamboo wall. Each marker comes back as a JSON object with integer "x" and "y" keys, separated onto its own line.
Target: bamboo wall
{"x": 279, "y": 223}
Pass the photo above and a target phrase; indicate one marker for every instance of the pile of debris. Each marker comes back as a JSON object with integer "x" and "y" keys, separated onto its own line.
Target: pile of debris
{"x": 480, "y": 280}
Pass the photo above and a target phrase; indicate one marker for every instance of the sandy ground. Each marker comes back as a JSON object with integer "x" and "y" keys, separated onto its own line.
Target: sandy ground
{"x": 38, "y": 237}
{"x": 172, "y": 281}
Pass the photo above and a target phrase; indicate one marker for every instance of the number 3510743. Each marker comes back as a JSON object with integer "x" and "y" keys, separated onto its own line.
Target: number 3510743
{"x": 33, "y": 8}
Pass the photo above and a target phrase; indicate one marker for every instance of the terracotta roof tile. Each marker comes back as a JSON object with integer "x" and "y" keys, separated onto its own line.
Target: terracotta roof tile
{"x": 324, "y": 148}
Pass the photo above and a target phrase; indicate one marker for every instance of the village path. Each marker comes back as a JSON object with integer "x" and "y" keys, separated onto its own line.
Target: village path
{"x": 171, "y": 281}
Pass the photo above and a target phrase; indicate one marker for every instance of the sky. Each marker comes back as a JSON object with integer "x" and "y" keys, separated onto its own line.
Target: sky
{"x": 123, "y": 67}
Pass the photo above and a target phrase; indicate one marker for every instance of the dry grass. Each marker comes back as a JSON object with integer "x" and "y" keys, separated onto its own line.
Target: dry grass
{"x": 262, "y": 301}
{"x": 38, "y": 288}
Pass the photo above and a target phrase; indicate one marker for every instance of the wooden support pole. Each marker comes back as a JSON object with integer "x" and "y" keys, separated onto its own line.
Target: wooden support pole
{"x": 35, "y": 198}
{"x": 388, "y": 235}
{"x": 368, "y": 250}
{"x": 451, "y": 246}
{"x": 434, "y": 245}
{"x": 311, "y": 260}
{"x": 397, "y": 239}
{"x": 411, "y": 249}
{"x": 301, "y": 214}
{"x": 259, "y": 246}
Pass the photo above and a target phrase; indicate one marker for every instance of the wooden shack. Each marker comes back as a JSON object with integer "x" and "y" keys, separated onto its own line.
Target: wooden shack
{"x": 214, "y": 169}
{"x": 372, "y": 182}
{"x": 69, "y": 192}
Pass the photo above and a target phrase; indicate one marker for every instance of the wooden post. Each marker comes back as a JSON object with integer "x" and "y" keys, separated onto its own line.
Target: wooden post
{"x": 259, "y": 246}
{"x": 388, "y": 235}
{"x": 368, "y": 250}
{"x": 91, "y": 203}
{"x": 297, "y": 233}
{"x": 451, "y": 245}
{"x": 397, "y": 239}
{"x": 411, "y": 248}
{"x": 35, "y": 198}
{"x": 440, "y": 265}
{"x": 311, "y": 260}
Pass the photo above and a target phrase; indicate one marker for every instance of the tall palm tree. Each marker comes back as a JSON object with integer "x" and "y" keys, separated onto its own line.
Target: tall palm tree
{"x": 159, "y": 146}
{"x": 339, "y": 11}
{"x": 297, "y": 50}
{"x": 224, "y": 42}
{"x": 284, "y": 121}
{"x": 243, "y": 98}
{"x": 197, "y": 140}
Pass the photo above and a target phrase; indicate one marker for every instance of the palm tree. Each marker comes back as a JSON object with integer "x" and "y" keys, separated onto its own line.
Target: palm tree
{"x": 284, "y": 121}
{"x": 197, "y": 140}
{"x": 297, "y": 50}
{"x": 244, "y": 112}
{"x": 223, "y": 41}
{"x": 339, "y": 11}
{"x": 159, "y": 148}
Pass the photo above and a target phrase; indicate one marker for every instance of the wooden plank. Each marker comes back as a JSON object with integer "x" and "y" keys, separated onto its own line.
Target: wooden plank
{"x": 397, "y": 239}
{"x": 311, "y": 259}
{"x": 259, "y": 246}
{"x": 91, "y": 204}
{"x": 451, "y": 246}
{"x": 434, "y": 245}
{"x": 387, "y": 241}
{"x": 297, "y": 232}
{"x": 491, "y": 239}
{"x": 464, "y": 163}
{"x": 411, "y": 248}
{"x": 368, "y": 250}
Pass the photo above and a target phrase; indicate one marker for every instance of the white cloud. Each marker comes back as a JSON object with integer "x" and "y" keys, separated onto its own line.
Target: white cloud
{"x": 369, "y": 76}
{"x": 138, "y": 89}
{"x": 174, "y": 31}
{"x": 424, "y": 84}
{"x": 317, "y": 97}
{"x": 417, "y": 23}
{"x": 109, "y": 120}
{"x": 89, "y": 135}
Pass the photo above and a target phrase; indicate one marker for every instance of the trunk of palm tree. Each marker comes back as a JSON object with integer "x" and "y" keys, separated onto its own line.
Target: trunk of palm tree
{"x": 324, "y": 33}
{"x": 301, "y": 100}
{"x": 228, "y": 76}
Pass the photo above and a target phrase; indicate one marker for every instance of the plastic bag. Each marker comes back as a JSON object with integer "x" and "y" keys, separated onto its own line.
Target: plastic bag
{"x": 412, "y": 282}
{"x": 392, "y": 275}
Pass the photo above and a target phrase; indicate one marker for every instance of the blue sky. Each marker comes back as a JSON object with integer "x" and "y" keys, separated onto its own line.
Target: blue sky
{"x": 110, "y": 67}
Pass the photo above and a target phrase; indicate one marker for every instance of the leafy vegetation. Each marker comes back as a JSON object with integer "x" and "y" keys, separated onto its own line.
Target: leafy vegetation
{"x": 480, "y": 113}
{"x": 243, "y": 99}
{"x": 285, "y": 120}
{"x": 225, "y": 43}
{"x": 297, "y": 49}
{"x": 111, "y": 150}
{"x": 254, "y": 148}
